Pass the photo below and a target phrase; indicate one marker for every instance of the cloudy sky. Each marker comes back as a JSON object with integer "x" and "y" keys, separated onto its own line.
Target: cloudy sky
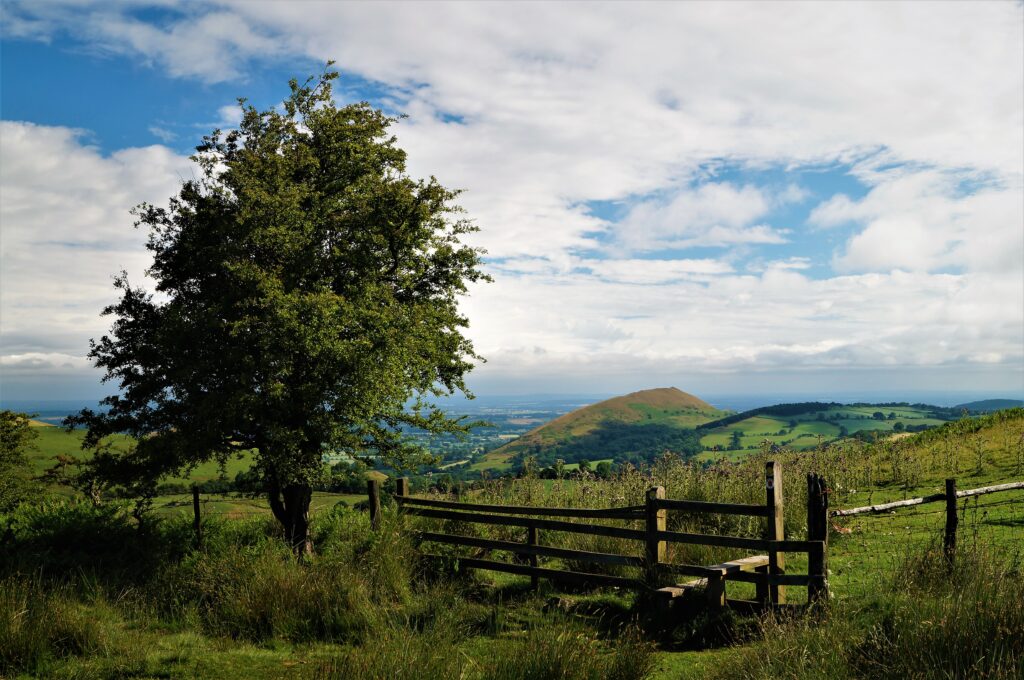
{"x": 725, "y": 197}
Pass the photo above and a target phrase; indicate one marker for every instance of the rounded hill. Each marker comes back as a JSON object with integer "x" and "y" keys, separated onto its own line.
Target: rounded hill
{"x": 637, "y": 424}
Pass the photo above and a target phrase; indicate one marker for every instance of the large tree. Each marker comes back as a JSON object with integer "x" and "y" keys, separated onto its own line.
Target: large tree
{"x": 306, "y": 299}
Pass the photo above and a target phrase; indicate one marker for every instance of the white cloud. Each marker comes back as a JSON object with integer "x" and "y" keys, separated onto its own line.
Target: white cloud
{"x": 66, "y": 232}
{"x": 925, "y": 220}
{"x": 710, "y": 215}
{"x": 557, "y": 105}
{"x": 162, "y": 134}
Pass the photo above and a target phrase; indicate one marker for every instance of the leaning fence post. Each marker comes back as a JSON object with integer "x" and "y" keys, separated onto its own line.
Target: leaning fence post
{"x": 373, "y": 491}
{"x": 657, "y": 520}
{"x": 817, "y": 530}
{"x": 197, "y": 523}
{"x": 776, "y": 528}
{"x": 951, "y": 523}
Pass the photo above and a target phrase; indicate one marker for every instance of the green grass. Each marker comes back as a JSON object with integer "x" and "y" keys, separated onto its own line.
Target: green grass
{"x": 84, "y": 592}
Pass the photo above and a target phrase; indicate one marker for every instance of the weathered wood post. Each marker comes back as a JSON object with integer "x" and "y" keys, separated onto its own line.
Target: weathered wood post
{"x": 197, "y": 522}
{"x": 776, "y": 528}
{"x": 373, "y": 491}
{"x": 657, "y": 520}
{"x": 402, "y": 487}
{"x": 817, "y": 530}
{"x": 531, "y": 539}
{"x": 949, "y": 544}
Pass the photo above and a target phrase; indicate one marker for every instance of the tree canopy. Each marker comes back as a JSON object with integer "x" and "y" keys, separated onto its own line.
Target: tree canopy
{"x": 306, "y": 299}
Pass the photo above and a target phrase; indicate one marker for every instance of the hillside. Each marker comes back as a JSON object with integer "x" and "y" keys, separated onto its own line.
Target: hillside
{"x": 804, "y": 425}
{"x": 989, "y": 405}
{"x": 635, "y": 425}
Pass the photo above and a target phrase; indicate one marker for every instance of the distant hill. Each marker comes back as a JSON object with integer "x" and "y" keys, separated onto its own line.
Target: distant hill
{"x": 989, "y": 405}
{"x": 805, "y": 425}
{"x": 633, "y": 427}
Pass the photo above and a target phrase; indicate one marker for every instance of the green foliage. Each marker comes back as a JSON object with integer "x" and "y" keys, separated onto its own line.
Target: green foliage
{"x": 307, "y": 294}
{"x": 17, "y": 438}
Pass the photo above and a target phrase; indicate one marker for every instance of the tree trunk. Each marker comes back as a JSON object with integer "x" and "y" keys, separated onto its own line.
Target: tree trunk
{"x": 290, "y": 505}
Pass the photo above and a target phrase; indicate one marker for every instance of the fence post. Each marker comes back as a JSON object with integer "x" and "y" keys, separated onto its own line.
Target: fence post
{"x": 776, "y": 528}
{"x": 531, "y": 539}
{"x": 951, "y": 523}
{"x": 197, "y": 524}
{"x": 402, "y": 486}
{"x": 373, "y": 491}
{"x": 817, "y": 530}
{"x": 657, "y": 520}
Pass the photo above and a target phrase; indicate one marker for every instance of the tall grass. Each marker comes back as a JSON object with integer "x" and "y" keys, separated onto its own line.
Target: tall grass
{"x": 927, "y": 622}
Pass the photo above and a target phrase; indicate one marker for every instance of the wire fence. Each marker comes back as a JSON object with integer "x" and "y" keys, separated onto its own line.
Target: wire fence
{"x": 872, "y": 550}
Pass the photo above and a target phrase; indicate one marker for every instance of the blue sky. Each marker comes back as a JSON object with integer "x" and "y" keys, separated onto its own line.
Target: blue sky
{"x": 669, "y": 194}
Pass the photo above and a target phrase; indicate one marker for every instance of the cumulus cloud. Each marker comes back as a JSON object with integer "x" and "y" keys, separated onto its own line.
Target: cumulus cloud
{"x": 66, "y": 232}
{"x": 538, "y": 110}
{"x": 929, "y": 220}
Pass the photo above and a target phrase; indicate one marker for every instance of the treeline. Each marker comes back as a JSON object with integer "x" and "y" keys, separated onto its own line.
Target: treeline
{"x": 624, "y": 442}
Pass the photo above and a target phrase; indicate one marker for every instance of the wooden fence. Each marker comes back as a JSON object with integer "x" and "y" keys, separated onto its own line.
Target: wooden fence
{"x": 766, "y": 571}
{"x": 949, "y": 497}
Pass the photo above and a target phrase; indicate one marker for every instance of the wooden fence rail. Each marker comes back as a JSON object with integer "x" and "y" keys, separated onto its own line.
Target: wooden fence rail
{"x": 766, "y": 571}
{"x": 949, "y": 496}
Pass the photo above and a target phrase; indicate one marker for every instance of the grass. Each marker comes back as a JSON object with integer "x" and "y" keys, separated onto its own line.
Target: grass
{"x": 86, "y": 592}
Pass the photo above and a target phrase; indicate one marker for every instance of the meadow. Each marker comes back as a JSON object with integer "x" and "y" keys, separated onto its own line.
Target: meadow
{"x": 88, "y": 591}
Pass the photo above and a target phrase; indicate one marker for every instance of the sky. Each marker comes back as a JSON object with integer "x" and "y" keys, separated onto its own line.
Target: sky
{"x": 724, "y": 197}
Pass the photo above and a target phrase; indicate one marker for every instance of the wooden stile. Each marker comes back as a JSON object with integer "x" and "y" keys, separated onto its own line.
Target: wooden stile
{"x": 766, "y": 571}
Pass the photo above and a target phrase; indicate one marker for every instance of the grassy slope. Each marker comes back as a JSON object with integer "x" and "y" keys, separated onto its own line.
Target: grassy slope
{"x": 663, "y": 406}
{"x": 134, "y": 640}
{"x": 54, "y": 441}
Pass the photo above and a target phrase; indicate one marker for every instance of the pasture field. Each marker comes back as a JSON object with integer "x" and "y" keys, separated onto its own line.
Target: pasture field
{"x": 87, "y": 593}
{"x": 807, "y": 430}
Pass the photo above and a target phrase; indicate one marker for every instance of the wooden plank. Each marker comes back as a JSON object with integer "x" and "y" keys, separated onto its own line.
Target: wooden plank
{"x": 771, "y": 579}
{"x": 577, "y": 577}
{"x": 548, "y": 524}
{"x": 527, "y": 549}
{"x": 739, "y": 542}
{"x": 990, "y": 489}
{"x": 742, "y": 564}
{"x": 723, "y": 569}
{"x": 632, "y": 512}
{"x": 776, "y": 528}
{"x": 687, "y": 570}
{"x": 933, "y": 498}
{"x": 711, "y": 507}
{"x": 883, "y": 507}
